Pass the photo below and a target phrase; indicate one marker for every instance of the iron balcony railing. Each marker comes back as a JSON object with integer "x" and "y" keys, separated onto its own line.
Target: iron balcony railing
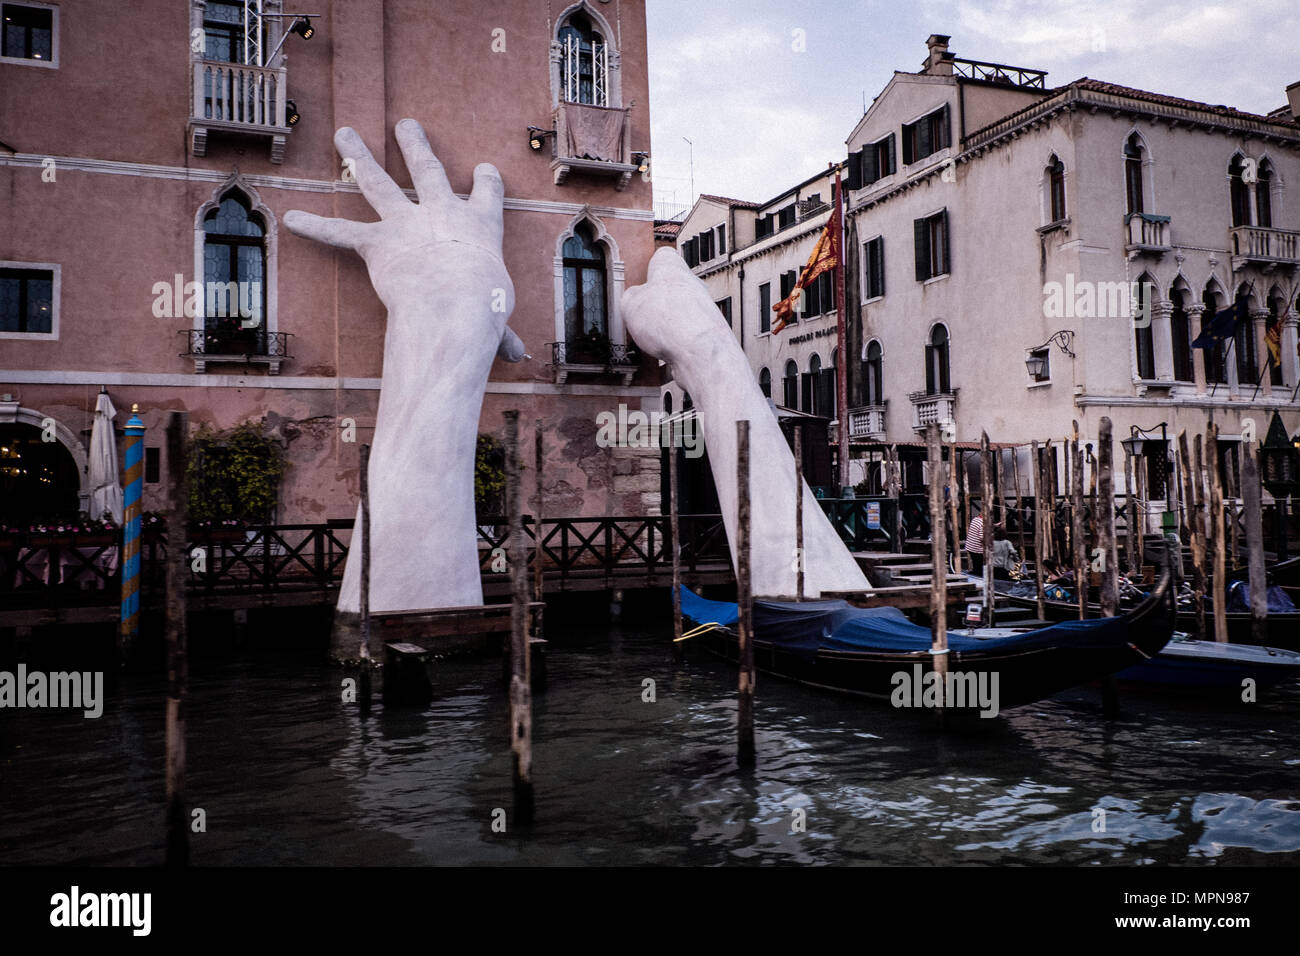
{"x": 240, "y": 343}
{"x": 607, "y": 354}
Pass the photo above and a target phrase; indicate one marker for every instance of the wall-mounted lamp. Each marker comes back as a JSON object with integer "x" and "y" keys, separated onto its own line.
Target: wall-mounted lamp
{"x": 291, "y": 114}
{"x": 301, "y": 26}
{"x": 537, "y": 137}
{"x": 1037, "y": 362}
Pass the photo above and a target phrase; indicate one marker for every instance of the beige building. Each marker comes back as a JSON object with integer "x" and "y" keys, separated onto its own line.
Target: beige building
{"x": 1022, "y": 257}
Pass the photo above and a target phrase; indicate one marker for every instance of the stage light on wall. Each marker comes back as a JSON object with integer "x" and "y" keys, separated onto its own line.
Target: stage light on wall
{"x": 291, "y": 114}
{"x": 537, "y": 137}
{"x": 303, "y": 28}
{"x": 642, "y": 162}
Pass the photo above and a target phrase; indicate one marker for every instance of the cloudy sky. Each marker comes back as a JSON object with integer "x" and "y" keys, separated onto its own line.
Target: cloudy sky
{"x": 763, "y": 114}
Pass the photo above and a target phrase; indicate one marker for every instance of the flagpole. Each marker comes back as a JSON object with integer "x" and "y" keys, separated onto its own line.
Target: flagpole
{"x": 841, "y": 379}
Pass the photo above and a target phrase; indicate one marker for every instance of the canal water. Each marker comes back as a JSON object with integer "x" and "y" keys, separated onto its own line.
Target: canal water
{"x": 286, "y": 773}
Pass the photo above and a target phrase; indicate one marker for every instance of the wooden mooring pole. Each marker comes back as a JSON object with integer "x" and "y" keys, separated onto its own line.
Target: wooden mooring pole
{"x": 798, "y": 514}
{"x": 367, "y": 664}
{"x": 1195, "y": 532}
{"x": 521, "y": 696}
{"x": 745, "y": 752}
{"x": 1219, "y": 570}
{"x": 939, "y": 562}
{"x": 178, "y": 667}
{"x": 1020, "y": 501}
{"x": 1105, "y": 518}
{"x": 1040, "y": 525}
{"x": 674, "y": 528}
{"x": 954, "y": 493}
{"x": 986, "y": 511}
{"x": 1077, "y": 546}
{"x": 1251, "y": 493}
{"x": 539, "y": 591}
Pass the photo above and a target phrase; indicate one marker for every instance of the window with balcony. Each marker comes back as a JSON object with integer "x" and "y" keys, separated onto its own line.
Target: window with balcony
{"x": 29, "y": 34}
{"x": 1263, "y": 195}
{"x": 931, "y": 240}
{"x": 765, "y": 307}
{"x": 236, "y": 88}
{"x": 29, "y": 301}
{"x": 785, "y": 216}
{"x": 586, "y": 322}
{"x": 1134, "y": 157}
{"x": 592, "y": 132}
{"x": 936, "y": 362}
{"x": 1180, "y": 333}
{"x": 226, "y": 36}
{"x": 1142, "y": 335}
{"x": 1273, "y": 335}
{"x": 234, "y": 279}
{"x": 585, "y": 65}
{"x": 1238, "y": 192}
{"x": 926, "y": 136}
{"x": 790, "y": 385}
{"x": 874, "y": 375}
{"x": 1244, "y": 344}
{"x": 873, "y": 268}
{"x": 1215, "y": 357}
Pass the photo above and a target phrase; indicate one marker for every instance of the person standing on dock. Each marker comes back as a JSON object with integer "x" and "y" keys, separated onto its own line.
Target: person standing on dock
{"x": 975, "y": 542}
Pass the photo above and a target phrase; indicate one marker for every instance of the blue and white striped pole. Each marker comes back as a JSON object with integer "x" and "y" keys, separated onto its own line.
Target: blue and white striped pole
{"x": 131, "y": 535}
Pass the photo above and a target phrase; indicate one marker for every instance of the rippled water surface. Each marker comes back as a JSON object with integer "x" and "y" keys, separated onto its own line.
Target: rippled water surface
{"x": 288, "y": 774}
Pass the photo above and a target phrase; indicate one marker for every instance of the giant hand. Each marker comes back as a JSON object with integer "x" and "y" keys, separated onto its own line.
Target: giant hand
{"x": 673, "y": 318}
{"x": 437, "y": 266}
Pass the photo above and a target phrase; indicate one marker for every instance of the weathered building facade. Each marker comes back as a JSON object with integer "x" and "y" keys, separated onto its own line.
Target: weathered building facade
{"x": 1021, "y": 257}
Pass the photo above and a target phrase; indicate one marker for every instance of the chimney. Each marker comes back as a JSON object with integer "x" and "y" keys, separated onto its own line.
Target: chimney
{"x": 939, "y": 62}
{"x": 1293, "y": 98}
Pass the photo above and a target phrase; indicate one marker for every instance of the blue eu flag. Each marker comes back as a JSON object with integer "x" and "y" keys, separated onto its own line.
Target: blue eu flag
{"x": 1222, "y": 327}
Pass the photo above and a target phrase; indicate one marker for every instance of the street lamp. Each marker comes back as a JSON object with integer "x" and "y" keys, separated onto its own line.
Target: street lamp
{"x": 1281, "y": 475}
{"x": 1136, "y": 446}
{"x": 1036, "y": 363}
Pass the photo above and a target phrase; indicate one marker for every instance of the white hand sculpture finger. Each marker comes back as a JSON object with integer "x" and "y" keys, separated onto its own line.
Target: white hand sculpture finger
{"x": 512, "y": 347}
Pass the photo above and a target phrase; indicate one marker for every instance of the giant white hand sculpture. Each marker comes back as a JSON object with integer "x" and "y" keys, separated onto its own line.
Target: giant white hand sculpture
{"x": 673, "y": 318}
{"x": 437, "y": 266}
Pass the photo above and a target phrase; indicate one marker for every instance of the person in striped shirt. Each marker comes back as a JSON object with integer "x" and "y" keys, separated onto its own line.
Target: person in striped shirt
{"x": 975, "y": 542}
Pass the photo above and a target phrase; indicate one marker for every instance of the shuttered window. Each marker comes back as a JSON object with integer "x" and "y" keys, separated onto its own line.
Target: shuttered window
{"x": 926, "y": 136}
{"x": 931, "y": 241}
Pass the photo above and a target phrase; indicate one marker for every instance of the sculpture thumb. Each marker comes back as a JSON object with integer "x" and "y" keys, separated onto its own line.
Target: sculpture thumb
{"x": 511, "y": 348}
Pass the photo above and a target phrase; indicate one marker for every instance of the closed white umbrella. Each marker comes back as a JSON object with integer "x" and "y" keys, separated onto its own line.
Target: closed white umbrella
{"x": 105, "y": 491}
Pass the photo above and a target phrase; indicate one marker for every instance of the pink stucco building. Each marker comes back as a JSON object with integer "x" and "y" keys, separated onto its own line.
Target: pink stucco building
{"x": 125, "y": 178}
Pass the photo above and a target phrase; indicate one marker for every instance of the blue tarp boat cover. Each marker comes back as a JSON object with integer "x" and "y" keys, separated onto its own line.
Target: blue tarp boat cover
{"x": 1239, "y": 598}
{"x": 805, "y": 627}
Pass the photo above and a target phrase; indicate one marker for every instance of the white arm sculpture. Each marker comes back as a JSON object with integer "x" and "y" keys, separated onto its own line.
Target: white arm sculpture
{"x": 673, "y": 317}
{"x": 437, "y": 266}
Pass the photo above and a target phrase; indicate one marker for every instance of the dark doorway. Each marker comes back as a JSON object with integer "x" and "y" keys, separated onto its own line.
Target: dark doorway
{"x": 39, "y": 480}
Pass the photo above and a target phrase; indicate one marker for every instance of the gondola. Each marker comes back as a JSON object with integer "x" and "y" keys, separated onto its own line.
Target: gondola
{"x": 1210, "y": 666}
{"x": 1282, "y": 627}
{"x": 878, "y": 653}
